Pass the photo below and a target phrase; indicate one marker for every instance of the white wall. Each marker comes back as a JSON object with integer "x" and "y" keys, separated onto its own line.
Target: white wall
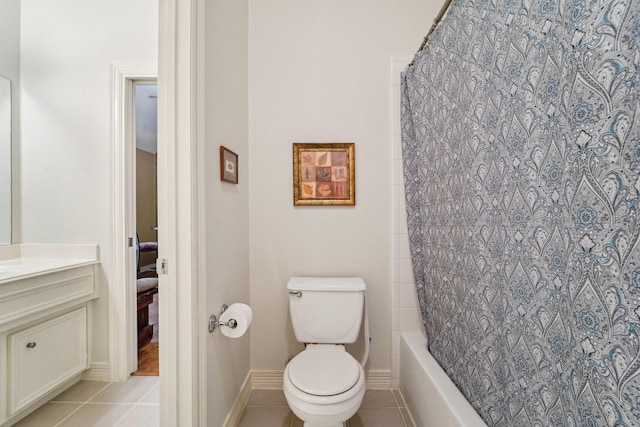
{"x": 10, "y": 40}
{"x": 320, "y": 72}
{"x": 227, "y": 205}
{"x": 67, "y": 46}
{"x": 10, "y": 68}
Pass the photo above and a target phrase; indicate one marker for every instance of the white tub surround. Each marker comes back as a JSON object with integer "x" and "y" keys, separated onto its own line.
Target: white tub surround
{"x": 45, "y": 295}
{"x": 431, "y": 397}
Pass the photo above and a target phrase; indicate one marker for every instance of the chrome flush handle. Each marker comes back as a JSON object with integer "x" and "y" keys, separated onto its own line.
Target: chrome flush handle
{"x": 297, "y": 293}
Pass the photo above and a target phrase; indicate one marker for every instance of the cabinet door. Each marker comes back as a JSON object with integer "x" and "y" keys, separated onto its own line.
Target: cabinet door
{"x": 46, "y": 355}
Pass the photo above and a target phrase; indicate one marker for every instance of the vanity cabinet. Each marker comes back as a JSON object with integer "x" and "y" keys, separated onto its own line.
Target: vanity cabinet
{"x": 45, "y": 307}
{"x": 44, "y": 356}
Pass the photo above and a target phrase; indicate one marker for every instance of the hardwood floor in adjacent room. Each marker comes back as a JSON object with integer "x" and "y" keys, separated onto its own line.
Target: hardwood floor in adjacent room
{"x": 148, "y": 354}
{"x": 148, "y": 360}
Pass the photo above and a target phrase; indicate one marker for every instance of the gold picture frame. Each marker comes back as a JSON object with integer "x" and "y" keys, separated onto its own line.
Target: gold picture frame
{"x": 324, "y": 174}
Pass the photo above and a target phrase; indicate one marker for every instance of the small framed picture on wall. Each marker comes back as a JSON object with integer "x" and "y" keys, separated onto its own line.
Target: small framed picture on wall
{"x": 228, "y": 165}
{"x": 324, "y": 174}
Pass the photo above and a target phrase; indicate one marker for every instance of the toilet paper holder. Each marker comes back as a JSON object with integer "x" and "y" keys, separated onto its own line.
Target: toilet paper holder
{"x": 214, "y": 322}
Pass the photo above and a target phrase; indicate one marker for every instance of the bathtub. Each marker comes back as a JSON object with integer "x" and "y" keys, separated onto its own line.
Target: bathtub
{"x": 431, "y": 397}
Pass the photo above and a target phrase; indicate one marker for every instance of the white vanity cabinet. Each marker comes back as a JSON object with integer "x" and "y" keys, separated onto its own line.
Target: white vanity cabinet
{"x": 45, "y": 306}
{"x": 44, "y": 356}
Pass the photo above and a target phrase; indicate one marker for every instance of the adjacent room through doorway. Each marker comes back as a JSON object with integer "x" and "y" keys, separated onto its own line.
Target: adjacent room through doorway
{"x": 146, "y": 202}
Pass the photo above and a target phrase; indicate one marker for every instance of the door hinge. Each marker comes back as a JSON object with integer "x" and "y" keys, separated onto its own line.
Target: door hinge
{"x": 161, "y": 266}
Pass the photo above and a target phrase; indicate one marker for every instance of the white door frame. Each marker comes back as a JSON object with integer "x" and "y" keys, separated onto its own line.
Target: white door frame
{"x": 180, "y": 217}
{"x": 122, "y": 320}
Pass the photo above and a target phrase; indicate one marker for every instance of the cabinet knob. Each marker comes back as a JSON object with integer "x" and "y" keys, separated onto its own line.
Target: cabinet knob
{"x": 31, "y": 344}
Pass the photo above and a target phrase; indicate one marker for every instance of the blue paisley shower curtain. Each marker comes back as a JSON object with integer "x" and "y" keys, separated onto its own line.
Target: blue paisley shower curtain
{"x": 521, "y": 154}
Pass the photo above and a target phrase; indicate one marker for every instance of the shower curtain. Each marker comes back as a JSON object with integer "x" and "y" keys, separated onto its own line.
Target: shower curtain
{"x": 521, "y": 154}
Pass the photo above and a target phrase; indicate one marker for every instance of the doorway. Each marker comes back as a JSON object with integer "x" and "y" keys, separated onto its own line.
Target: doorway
{"x": 123, "y": 341}
{"x": 182, "y": 364}
{"x": 144, "y": 188}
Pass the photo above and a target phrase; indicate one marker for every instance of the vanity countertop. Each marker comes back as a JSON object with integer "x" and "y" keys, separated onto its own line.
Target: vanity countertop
{"x": 22, "y": 261}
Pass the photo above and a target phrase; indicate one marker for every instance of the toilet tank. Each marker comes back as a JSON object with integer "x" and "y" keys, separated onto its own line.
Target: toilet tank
{"x": 326, "y": 310}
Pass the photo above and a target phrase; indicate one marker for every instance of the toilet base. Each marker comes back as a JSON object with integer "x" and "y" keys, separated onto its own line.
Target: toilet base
{"x": 310, "y": 424}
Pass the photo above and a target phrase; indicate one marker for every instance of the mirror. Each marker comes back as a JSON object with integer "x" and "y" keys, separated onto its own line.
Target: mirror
{"x": 5, "y": 161}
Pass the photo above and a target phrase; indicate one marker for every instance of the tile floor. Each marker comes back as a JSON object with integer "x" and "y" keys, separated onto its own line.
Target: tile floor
{"x": 380, "y": 408}
{"x": 131, "y": 403}
{"x": 136, "y": 403}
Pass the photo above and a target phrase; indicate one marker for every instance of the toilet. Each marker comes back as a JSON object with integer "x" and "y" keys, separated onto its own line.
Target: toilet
{"x": 324, "y": 384}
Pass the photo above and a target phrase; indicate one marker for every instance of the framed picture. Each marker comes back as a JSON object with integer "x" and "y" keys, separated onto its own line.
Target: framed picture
{"x": 228, "y": 165}
{"x": 324, "y": 174}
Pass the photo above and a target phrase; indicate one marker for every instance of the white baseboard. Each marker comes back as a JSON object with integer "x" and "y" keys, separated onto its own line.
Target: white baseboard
{"x": 272, "y": 380}
{"x": 266, "y": 379}
{"x": 98, "y": 371}
{"x": 240, "y": 402}
{"x": 378, "y": 379}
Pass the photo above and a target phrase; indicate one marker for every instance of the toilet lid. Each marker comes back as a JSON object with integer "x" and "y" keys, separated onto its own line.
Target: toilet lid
{"x": 324, "y": 373}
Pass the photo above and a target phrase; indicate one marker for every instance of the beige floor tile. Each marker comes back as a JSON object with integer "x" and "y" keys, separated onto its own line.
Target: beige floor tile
{"x": 267, "y": 398}
{"x": 399, "y": 398}
{"x": 142, "y": 415}
{"x": 377, "y": 417}
{"x": 48, "y": 415}
{"x": 130, "y": 391}
{"x": 81, "y": 391}
{"x": 258, "y": 416}
{"x": 379, "y": 399}
{"x": 153, "y": 396}
{"x": 295, "y": 421}
{"x": 97, "y": 415}
{"x": 406, "y": 417}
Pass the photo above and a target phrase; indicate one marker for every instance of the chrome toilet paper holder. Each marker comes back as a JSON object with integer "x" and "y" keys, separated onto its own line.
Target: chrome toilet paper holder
{"x": 214, "y": 322}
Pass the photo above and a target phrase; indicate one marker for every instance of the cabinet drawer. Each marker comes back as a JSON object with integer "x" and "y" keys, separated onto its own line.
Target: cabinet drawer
{"x": 21, "y": 299}
{"x": 45, "y": 355}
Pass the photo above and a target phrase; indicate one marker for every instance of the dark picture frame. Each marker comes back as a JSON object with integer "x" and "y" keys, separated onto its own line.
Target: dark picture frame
{"x": 228, "y": 165}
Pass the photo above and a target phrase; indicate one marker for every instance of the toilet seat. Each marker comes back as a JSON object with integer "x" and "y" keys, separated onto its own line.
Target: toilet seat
{"x": 324, "y": 372}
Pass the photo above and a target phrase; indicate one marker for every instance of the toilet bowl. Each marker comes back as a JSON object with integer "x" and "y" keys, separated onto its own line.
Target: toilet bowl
{"x": 324, "y": 385}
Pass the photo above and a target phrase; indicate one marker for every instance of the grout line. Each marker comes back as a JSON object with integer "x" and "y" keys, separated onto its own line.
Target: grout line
{"x": 267, "y": 406}
{"x": 82, "y": 401}
{"x": 409, "y": 419}
{"x": 126, "y": 414}
{"x": 409, "y": 422}
{"x": 148, "y": 392}
{"x": 72, "y": 412}
{"x": 88, "y": 402}
{"x": 108, "y": 403}
{"x": 398, "y": 398}
{"x": 395, "y": 393}
{"x": 403, "y": 419}
{"x": 401, "y": 400}
{"x": 83, "y": 404}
